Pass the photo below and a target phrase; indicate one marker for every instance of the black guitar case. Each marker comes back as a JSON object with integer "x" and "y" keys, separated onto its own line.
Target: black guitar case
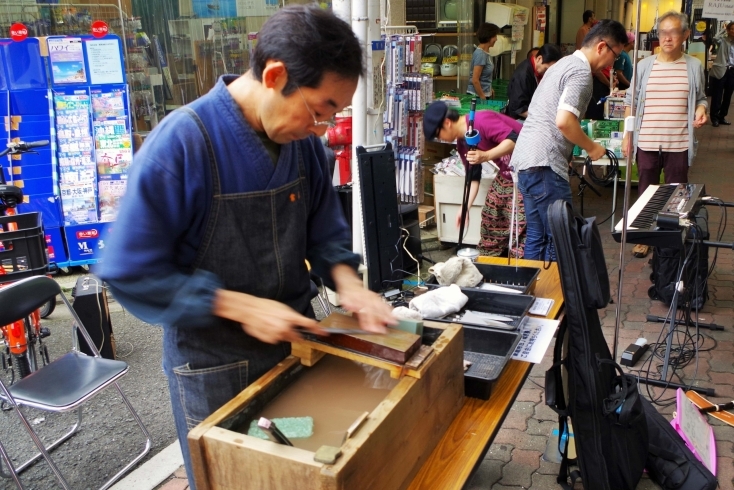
{"x": 609, "y": 424}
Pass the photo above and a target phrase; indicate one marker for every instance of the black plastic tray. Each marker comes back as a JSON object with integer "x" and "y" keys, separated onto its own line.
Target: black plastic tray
{"x": 519, "y": 278}
{"x": 488, "y": 350}
{"x": 515, "y": 306}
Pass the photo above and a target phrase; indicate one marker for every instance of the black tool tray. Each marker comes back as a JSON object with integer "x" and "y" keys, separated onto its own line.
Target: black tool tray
{"x": 515, "y": 306}
{"x": 488, "y": 351}
{"x": 518, "y": 278}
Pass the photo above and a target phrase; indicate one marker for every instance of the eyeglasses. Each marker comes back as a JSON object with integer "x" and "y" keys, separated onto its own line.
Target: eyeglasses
{"x": 330, "y": 123}
{"x": 670, "y": 33}
{"x": 616, "y": 56}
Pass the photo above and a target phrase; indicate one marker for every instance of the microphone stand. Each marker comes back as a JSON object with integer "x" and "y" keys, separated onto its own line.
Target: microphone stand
{"x": 472, "y": 139}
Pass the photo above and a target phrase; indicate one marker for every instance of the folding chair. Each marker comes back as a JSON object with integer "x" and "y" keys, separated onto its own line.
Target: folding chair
{"x": 64, "y": 384}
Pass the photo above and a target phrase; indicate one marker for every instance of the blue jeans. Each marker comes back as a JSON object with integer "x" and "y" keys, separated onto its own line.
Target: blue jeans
{"x": 541, "y": 187}
{"x": 203, "y": 377}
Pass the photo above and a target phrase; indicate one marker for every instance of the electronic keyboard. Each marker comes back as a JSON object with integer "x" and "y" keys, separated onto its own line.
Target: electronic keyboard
{"x": 656, "y": 218}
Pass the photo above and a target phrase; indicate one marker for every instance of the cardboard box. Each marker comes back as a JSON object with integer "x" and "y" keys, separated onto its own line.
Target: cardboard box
{"x": 426, "y": 216}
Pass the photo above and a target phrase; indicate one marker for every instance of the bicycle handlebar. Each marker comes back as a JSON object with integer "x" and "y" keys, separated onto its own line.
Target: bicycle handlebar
{"x": 36, "y": 144}
{"x": 17, "y": 147}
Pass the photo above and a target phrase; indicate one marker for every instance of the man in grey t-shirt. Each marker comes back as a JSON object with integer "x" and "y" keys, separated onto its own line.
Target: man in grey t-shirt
{"x": 545, "y": 146}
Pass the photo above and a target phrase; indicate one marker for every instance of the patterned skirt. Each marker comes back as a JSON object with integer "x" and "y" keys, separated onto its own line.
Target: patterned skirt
{"x": 496, "y": 219}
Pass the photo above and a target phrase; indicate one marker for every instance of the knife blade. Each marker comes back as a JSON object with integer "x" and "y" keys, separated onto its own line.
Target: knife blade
{"x": 337, "y": 331}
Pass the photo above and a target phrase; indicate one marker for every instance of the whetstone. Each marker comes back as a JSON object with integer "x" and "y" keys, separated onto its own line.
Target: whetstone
{"x": 395, "y": 346}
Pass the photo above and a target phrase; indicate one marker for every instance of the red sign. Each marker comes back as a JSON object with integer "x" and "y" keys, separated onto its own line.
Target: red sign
{"x": 18, "y": 32}
{"x": 87, "y": 234}
{"x": 99, "y": 28}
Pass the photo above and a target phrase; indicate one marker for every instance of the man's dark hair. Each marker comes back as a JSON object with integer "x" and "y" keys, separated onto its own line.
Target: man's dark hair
{"x": 486, "y": 32}
{"x": 533, "y": 52}
{"x": 453, "y": 114}
{"x": 607, "y": 30}
{"x": 588, "y": 14}
{"x": 550, "y": 53}
{"x": 310, "y": 42}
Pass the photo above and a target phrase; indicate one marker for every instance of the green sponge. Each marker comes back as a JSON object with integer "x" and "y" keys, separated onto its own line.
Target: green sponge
{"x": 410, "y": 326}
{"x": 291, "y": 427}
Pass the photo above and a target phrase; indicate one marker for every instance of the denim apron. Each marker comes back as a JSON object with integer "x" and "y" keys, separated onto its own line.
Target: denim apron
{"x": 255, "y": 242}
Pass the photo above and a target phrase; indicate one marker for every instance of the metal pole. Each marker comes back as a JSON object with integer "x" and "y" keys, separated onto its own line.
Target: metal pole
{"x": 630, "y": 121}
{"x": 359, "y": 21}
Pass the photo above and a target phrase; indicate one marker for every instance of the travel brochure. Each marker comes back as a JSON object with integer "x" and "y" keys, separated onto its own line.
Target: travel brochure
{"x": 77, "y": 175}
{"x": 95, "y": 152}
{"x": 112, "y": 137}
{"x": 67, "y": 60}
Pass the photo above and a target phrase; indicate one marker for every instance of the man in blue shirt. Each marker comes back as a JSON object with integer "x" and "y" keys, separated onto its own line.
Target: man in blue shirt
{"x": 227, "y": 199}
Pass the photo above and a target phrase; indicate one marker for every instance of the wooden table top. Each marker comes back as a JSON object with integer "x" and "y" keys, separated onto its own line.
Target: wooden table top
{"x": 454, "y": 459}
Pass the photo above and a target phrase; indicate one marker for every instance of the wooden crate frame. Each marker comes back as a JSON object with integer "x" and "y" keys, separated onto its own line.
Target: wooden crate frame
{"x": 385, "y": 452}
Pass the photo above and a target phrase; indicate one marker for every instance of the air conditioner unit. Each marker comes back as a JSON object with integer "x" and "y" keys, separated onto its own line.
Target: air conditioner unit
{"x": 503, "y": 14}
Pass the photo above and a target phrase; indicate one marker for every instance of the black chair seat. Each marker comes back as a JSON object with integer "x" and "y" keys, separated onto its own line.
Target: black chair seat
{"x": 67, "y": 381}
{"x": 20, "y": 299}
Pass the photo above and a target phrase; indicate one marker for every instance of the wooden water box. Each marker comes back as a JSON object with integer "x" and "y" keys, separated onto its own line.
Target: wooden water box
{"x": 407, "y": 418}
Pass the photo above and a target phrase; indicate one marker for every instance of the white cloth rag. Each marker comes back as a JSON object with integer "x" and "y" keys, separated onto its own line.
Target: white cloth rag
{"x": 405, "y": 313}
{"x": 457, "y": 270}
{"x": 439, "y": 302}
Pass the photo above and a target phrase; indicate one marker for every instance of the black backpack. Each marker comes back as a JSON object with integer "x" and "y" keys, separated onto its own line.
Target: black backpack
{"x": 609, "y": 424}
{"x": 666, "y": 263}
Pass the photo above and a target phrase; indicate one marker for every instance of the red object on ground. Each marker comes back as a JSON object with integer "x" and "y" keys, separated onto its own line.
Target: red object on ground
{"x": 18, "y": 32}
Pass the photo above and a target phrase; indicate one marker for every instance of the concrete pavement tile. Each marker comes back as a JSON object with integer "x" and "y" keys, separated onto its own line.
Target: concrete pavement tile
{"x": 176, "y": 484}
{"x": 518, "y": 416}
{"x": 518, "y": 472}
{"x": 521, "y": 439}
{"x": 723, "y": 447}
{"x": 719, "y": 365}
{"x": 541, "y": 428}
{"x": 489, "y": 471}
{"x": 725, "y": 346}
{"x": 725, "y": 472}
{"x": 530, "y": 393}
{"x": 545, "y": 481}
{"x": 500, "y": 452}
{"x": 526, "y": 458}
{"x": 180, "y": 473}
{"x": 544, "y": 413}
{"x": 548, "y": 468}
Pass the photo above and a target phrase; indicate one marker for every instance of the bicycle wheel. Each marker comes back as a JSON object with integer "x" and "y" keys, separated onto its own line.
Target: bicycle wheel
{"x": 48, "y": 308}
{"x": 21, "y": 365}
